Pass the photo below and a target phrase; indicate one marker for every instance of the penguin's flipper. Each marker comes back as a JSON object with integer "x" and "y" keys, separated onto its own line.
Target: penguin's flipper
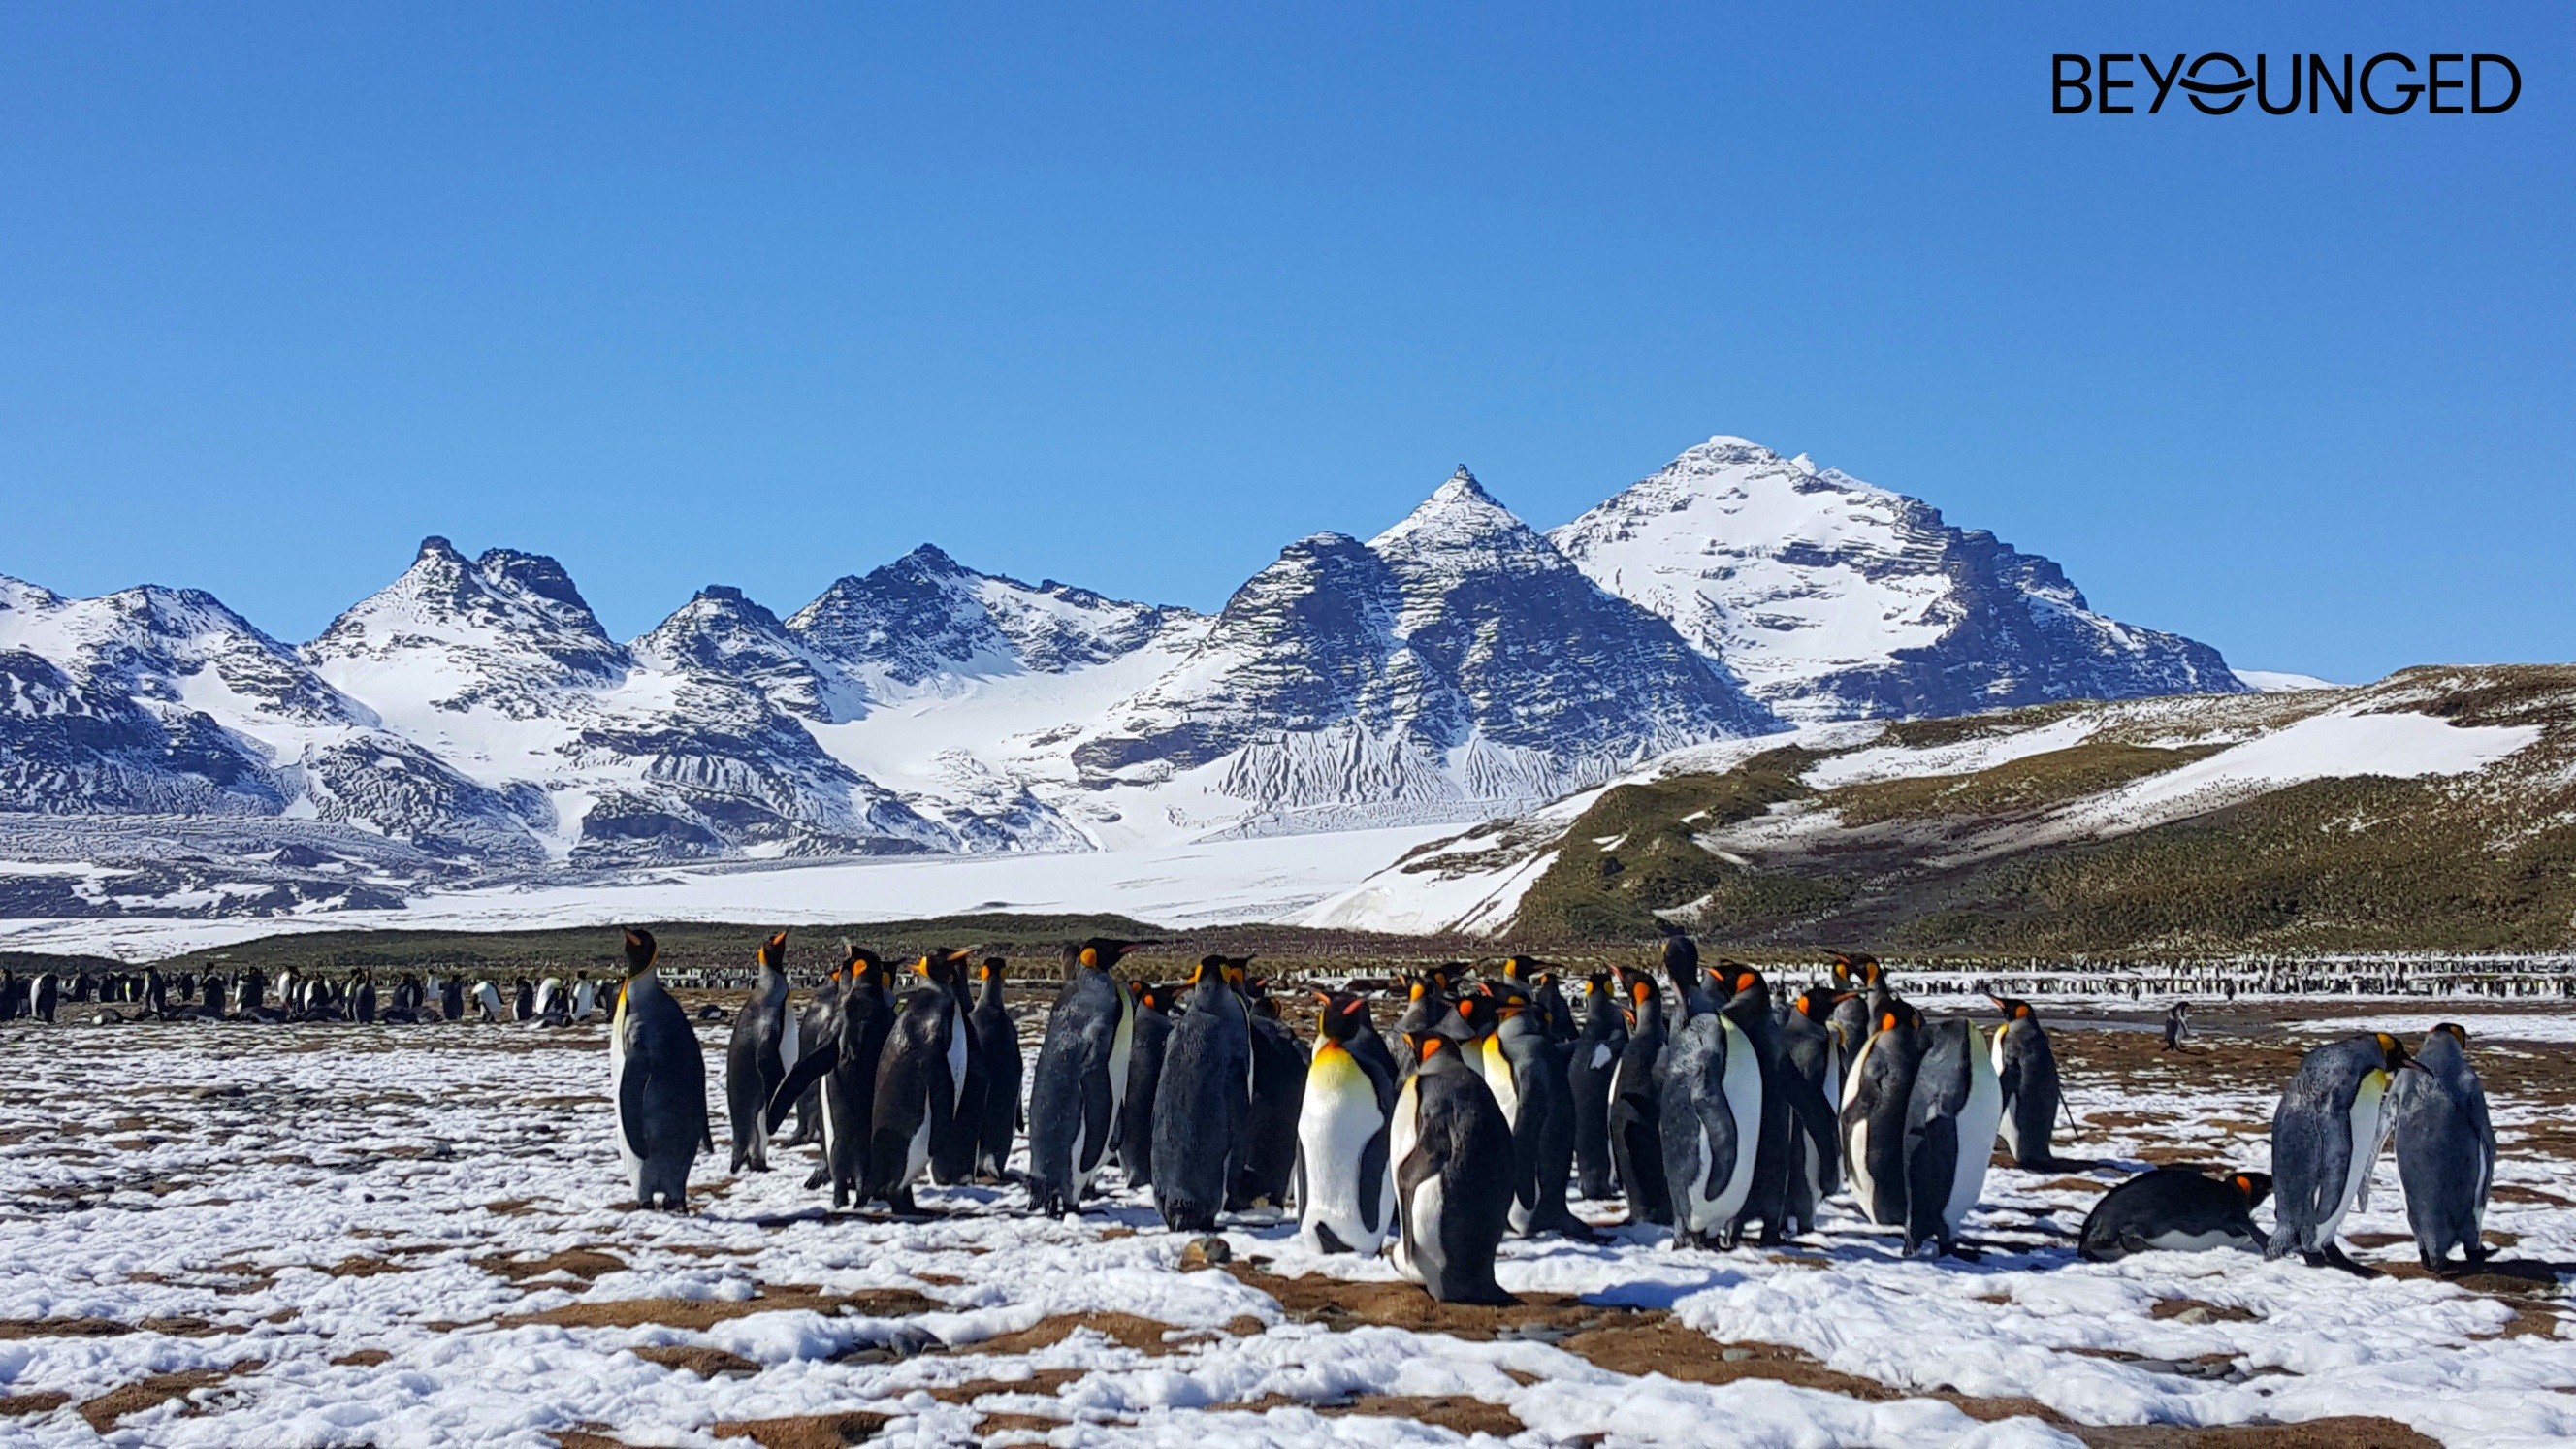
{"x": 1807, "y": 1103}
{"x": 810, "y": 1068}
{"x": 1373, "y": 1194}
{"x": 1931, "y": 1165}
{"x": 1100, "y": 1122}
{"x": 630, "y": 1108}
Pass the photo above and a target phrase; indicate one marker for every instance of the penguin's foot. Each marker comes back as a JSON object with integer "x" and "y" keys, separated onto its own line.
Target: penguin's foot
{"x": 2335, "y": 1257}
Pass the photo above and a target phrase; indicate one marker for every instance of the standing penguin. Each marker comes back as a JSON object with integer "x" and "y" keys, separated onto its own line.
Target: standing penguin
{"x": 1527, "y": 1072}
{"x": 2325, "y": 1133}
{"x": 487, "y": 1000}
{"x": 954, "y": 1149}
{"x": 1950, "y": 1120}
{"x": 1852, "y": 1020}
{"x": 1810, "y": 1053}
{"x": 814, "y": 1024}
{"x": 2177, "y": 1024}
{"x": 1536, "y": 980}
{"x": 921, "y": 1075}
{"x": 2175, "y": 1210}
{"x": 1153, "y": 1003}
{"x": 1711, "y": 1127}
{"x": 2446, "y": 1150}
{"x": 1278, "y": 1098}
{"x": 1589, "y": 1068}
{"x": 1203, "y": 1105}
{"x": 841, "y": 1043}
{"x": 1790, "y": 1110}
{"x": 1081, "y": 1077}
{"x": 1345, "y": 1190}
{"x": 657, "y": 1082}
{"x": 46, "y": 998}
{"x": 1689, "y": 994}
{"x": 763, "y": 1050}
{"x": 1453, "y": 1175}
{"x": 998, "y": 1043}
{"x": 1636, "y": 1106}
{"x": 2026, "y": 1068}
{"x": 451, "y": 999}
{"x": 1879, "y": 1087}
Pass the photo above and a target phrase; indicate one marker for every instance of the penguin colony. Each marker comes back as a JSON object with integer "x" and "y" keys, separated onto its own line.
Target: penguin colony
{"x": 1691, "y": 1093}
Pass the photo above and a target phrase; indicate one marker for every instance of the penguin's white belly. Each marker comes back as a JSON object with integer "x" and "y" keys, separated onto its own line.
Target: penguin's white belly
{"x": 956, "y": 1063}
{"x": 2364, "y": 1125}
{"x": 626, "y": 1157}
{"x": 1978, "y": 1118}
{"x": 791, "y": 1046}
{"x": 2181, "y": 1242}
{"x": 1497, "y": 1070}
{"x": 1743, "y": 1084}
{"x": 916, "y": 1155}
{"x": 1421, "y": 1224}
{"x": 1856, "y": 1170}
{"x": 1334, "y": 1128}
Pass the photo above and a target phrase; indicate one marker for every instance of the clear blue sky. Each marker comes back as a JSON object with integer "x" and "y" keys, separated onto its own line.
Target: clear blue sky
{"x": 1132, "y": 296}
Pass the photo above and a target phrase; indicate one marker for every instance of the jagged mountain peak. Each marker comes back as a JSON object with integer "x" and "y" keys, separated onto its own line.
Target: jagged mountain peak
{"x": 1463, "y": 527}
{"x": 502, "y": 602}
{"x": 1834, "y": 598}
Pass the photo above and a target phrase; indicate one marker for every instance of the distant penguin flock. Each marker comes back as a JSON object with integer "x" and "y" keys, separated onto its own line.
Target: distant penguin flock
{"x": 1704, "y": 1101}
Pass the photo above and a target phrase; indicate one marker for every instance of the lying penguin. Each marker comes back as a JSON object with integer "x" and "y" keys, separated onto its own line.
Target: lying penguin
{"x": 2175, "y": 1210}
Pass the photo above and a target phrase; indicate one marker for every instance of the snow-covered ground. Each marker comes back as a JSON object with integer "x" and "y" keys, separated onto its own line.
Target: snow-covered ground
{"x": 413, "y": 1236}
{"x": 1181, "y": 883}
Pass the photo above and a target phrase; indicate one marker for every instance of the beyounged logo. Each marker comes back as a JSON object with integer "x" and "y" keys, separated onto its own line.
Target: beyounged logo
{"x": 2218, "y": 83}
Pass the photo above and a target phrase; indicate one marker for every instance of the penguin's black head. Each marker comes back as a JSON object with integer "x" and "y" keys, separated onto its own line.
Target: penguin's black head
{"x": 1520, "y": 968}
{"x": 640, "y": 950}
{"x": 2013, "y": 1007}
{"x": 1734, "y": 978}
{"x": 1102, "y": 952}
{"x": 942, "y": 967}
{"x": 2255, "y": 1185}
{"x": 2451, "y": 1029}
{"x": 1476, "y": 1014}
{"x": 1238, "y": 974}
{"x": 1842, "y": 969}
{"x": 773, "y": 952}
{"x": 1444, "y": 978}
{"x": 993, "y": 969}
{"x": 1508, "y": 1000}
{"x": 1339, "y": 1015}
{"x": 2393, "y": 1054}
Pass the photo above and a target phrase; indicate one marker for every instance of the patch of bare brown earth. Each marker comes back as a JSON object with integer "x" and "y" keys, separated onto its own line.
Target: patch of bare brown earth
{"x": 16, "y": 1405}
{"x": 18, "y": 1328}
{"x": 363, "y": 1358}
{"x": 582, "y": 1263}
{"x": 1039, "y": 1381}
{"x": 1145, "y": 1335}
{"x": 1338, "y": 1305}
{"x": 2209, "y": 1312}
{"x": 2348, "y": 1432}
{"x": 804, "y": 1431}
{"x": 103, "y": 1411}
{"x": 706, "y": 1363}
{"x": 699, "y": 1315}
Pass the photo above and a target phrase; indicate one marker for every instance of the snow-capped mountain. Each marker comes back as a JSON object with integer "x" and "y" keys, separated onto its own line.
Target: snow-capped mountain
{"x": 498, "y": 666}
{"x": 1833, "y": 599}
{"x": 475, "y": 715}
{"x": 1456, "y": 656}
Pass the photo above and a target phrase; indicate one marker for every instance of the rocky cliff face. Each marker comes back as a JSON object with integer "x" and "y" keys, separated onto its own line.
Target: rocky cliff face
{"x": 1833, "y": 599}
{"x": 1458, "y": 655}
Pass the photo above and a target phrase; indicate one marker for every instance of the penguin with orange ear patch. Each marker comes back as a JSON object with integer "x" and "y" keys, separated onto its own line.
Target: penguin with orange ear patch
{"x": 1873, "y": 1114}
{"x": 1453, "y": 1174}
{"x": 1636, "y": 1103}
{"x": 1344, "y": 1187}
{"x": 2026, "y": 1065}
{"x": 1203, "y": 1105}
{"x": 1081, "y": 1079}
{"x": 757, "y": 1060}
{"x": 2175, "y": 1210}
{"x": 998, "y": 1043}
{"x": 657, "y": 1083}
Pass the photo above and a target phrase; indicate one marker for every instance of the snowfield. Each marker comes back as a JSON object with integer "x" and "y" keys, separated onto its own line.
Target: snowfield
{"x": 339, "y": 1235}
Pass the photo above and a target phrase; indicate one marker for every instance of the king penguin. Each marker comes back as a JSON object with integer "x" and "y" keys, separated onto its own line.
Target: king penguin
{"x": 1636, "y": 1105}
{"x": 1809, "y": 1051}
{"x": 1453, "y": 1175}
{"x": 2175, "y": 1210}
{"x": 955, "y": 1147}
{"x": 1278, "y": 1099}
{"x": 1875, "y": 1095}
{"x": 921, "y": 1075}
{"x": 1711, "y": 1128}
{"x": 1526, "y": 1069}
{"x": 1345, "y": 1192}
{"x": 657, "y": 1081}
{"x": 998, "y": 1043}
{"x": 1589, "y": 1068}
{"x": 2446, "y": 1150}
{"x": 1153, "y": 1031}
{"x": 1793, "y": 1112}
{"x": 2026, "y": 1068}
{"x": 1950, "y": 1120}
{"x": 1081, "y": 1079}
{"x": 757, "y": 1060}
{"x": 842, "y": 1041}
{"x": 1203, "y": 1105}
{"x": 2325, "y": 1134}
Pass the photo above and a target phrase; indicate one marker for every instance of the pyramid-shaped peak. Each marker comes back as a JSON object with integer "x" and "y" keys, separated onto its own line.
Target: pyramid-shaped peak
{"x": 1462, "y": 485}
{"x": 1459, "y": 514}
